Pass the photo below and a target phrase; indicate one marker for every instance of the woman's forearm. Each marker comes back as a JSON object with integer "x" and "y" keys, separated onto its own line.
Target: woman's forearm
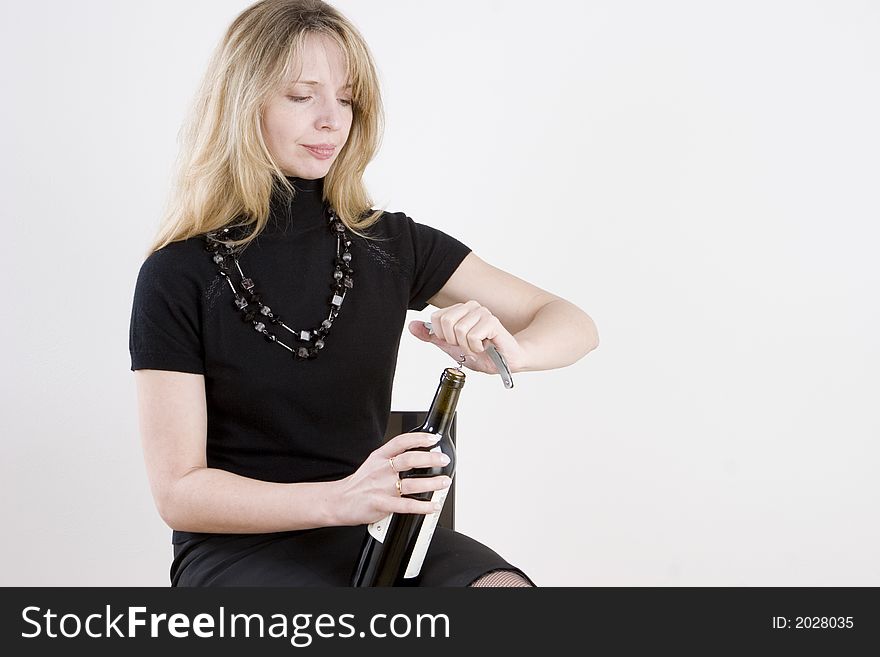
{"x": 559, "y": 334}
{"x": 216, "y": 501}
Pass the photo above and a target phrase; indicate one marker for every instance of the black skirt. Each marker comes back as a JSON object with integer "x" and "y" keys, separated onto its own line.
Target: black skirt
{"x": 325, "y": 556}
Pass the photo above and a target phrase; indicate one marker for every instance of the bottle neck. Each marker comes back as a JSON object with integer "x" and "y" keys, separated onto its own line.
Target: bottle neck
{"x": 439, "y": 419}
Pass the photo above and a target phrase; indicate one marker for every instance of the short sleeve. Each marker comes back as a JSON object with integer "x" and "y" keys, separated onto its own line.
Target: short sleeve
{"x": 165, "y": 329}
{"x": 436, "y": 256}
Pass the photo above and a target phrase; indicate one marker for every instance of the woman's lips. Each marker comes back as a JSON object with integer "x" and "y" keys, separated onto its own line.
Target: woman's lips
{"x": 322, "y": 153}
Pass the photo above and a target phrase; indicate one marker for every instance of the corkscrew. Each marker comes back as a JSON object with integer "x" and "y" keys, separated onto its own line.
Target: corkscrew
{"x": 496, "y": 357}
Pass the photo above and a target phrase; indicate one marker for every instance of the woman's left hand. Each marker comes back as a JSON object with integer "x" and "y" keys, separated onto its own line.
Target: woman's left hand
{"x": 460, "y": 329}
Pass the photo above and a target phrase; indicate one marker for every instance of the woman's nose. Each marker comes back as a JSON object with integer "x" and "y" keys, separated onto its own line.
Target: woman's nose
{"x": 330, "y": 115}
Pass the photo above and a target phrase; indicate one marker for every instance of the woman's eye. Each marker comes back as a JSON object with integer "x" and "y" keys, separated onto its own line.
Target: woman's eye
{"x": 302, "y": 99}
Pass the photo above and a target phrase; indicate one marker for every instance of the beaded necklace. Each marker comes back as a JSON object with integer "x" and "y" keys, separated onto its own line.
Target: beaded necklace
{"x": 250, "y": 303}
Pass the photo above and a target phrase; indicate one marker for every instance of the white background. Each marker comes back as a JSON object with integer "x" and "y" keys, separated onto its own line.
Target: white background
{"x": 699, "y": 177}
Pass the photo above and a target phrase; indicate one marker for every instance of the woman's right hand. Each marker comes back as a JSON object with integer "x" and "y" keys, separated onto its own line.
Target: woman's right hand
{"x": 371, "y": 493}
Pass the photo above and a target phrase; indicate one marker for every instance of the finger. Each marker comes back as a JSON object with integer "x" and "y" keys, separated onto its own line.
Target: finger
{"x": 408, "y": 505}
{"x": 418, "y": 329}
{"x": 419, "y": 459}
{"x": 462, "y": 317}
{"x": 405, "y": 441}
{"x": 465, "y": 326}
{"x": 486, "y": 328}
{"x": 444, "y": 320}
{"x": 422, "y": 332}
{"x": 413, "y": 485}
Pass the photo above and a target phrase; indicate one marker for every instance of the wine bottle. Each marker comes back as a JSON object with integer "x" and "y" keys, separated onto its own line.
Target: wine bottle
{"x": 394, "y": 548}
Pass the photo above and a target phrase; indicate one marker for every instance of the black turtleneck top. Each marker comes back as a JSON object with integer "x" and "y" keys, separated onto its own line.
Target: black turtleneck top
{"x": 271, "y": 417}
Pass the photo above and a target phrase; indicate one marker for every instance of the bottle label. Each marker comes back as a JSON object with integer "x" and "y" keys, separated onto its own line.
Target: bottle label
{"x": 423, "y": 541}
{"x": 379, "y": 528}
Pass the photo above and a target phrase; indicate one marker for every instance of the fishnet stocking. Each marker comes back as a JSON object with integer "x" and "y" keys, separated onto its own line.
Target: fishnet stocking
{"x": 501, "y": 578}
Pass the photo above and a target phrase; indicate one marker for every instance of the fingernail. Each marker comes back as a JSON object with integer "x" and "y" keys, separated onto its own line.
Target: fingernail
{"x": 434, "y": 437}
{"x": 444, "y": 459}
{"x": 438, "y": 506}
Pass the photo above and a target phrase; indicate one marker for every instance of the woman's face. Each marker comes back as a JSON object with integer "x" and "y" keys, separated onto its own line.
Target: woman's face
{"x": 306, "y": 123}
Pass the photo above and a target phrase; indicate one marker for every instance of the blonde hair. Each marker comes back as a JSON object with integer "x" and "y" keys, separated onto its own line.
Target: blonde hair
{"x": 224, "y": 169}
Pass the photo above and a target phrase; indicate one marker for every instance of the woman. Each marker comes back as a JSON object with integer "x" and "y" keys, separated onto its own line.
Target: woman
{"x": 265, "y": 456}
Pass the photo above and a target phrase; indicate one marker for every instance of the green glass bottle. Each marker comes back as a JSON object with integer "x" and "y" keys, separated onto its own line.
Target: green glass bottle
{"x": 394, "y": 548}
